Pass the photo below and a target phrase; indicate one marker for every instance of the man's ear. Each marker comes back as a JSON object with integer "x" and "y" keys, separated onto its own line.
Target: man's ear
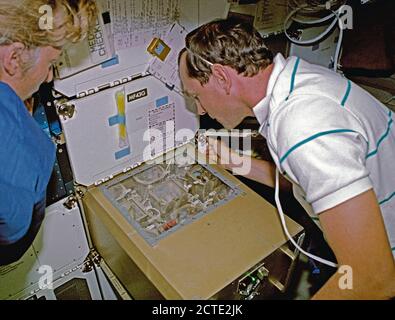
{"x": 222, "y": 77}
{"x": 12, "y": 60}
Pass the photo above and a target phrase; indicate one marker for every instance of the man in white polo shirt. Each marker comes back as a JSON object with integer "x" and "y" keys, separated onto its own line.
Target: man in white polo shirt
{"x": 330, "y": 138}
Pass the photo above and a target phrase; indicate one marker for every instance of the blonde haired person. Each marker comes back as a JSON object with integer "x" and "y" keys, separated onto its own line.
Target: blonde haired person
{"x": 28, "y": 50}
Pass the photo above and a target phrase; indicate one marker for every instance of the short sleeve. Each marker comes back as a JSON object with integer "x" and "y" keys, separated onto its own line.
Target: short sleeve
{"x": 18, "y": 180}
{"x": 322, "y": 147}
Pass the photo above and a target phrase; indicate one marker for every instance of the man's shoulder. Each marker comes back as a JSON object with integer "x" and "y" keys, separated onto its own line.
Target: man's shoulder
{"x": 307, "y": 110}
{"x": 300, "y": 77}
{"x": 308, "y": 116}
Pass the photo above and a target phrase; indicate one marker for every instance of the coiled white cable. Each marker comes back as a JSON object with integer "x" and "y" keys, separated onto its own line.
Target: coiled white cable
{"x": 284, "y": 225}
{"x": 318, "y": 21}
{"x": 316, "y": 39}
{"x": 335, "y": 15}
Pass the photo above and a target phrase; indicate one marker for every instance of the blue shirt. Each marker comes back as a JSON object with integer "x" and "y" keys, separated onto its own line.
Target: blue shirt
{"x": 27, "y": 157}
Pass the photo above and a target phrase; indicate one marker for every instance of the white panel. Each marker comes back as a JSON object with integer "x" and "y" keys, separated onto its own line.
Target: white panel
{"x": 93, "y": 144}
{"x": 131, "y": 61}
{"x": 61, "y": 240}
{"x": 60, "y": 243}
{"x": 76, "y": 272}
{"x": 132, "y": 56}
{"x": 321, "y": 53}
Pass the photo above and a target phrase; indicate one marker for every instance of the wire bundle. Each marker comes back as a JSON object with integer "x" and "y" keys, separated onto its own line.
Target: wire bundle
{"x": 314, "y": 13}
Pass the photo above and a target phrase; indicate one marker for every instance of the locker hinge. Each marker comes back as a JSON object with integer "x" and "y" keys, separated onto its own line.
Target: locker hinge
{"x": 92, "y": 260}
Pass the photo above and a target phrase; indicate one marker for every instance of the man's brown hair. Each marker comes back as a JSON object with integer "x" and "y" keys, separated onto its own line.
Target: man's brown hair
{"x": 229, "y": 42}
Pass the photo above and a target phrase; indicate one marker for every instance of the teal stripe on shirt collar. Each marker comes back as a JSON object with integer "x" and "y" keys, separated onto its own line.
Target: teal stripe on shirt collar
{"x": 320, "y": 134}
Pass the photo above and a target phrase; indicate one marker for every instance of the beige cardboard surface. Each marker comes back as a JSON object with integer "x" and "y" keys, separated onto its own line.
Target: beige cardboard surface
{"x": 203, "y": 257}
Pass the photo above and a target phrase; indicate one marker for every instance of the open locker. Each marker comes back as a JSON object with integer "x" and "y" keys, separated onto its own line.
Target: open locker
{"x": 167, "y": 224}
{"x": 183, "y": 229}
{"x": 211, "y": 254}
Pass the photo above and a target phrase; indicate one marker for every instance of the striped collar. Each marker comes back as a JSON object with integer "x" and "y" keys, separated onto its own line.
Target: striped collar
{"x": 261, "y": 110}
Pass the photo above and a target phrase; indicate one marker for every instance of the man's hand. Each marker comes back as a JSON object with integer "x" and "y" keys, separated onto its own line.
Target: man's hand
{"x": 219, "y": 153}
{"x": 258, "y": 170}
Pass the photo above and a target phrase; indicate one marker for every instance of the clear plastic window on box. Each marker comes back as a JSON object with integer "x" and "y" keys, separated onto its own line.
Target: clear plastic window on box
{"x": 159, "y": 199}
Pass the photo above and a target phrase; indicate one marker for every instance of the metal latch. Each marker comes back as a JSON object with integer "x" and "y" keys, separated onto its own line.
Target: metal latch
{"x": 93, "y": 259}
{"x": 71, "y": 202}
{"x": 66, "y": 111}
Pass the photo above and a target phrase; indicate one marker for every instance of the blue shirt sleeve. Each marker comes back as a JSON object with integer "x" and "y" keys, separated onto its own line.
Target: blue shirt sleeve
{"x": 26, "y": 162}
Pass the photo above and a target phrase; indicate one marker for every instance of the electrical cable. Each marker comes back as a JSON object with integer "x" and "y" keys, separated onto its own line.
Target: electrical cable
{"x": 335, "y": 15}
{"x": 338, "y": 47}
{"x": 310, "y": 41}
{"x": 282, "y": 218}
